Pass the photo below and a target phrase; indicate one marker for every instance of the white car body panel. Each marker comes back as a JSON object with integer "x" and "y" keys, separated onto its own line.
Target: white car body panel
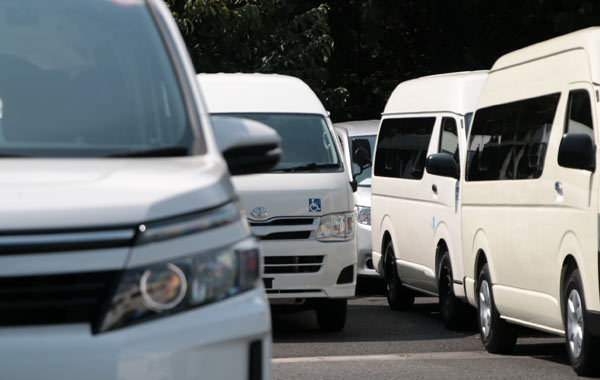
{"x": 416, "y": 217}
{"x": 362, "y": 197}
{"x": 524, "y": 227}
{"x": 286, "y": 195}
{"x": 53, "y": 195}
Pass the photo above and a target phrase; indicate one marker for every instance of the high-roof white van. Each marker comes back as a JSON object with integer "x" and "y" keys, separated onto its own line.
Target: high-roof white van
{"x": 123, "y": 254}
{"x": 357, "y": 139}
{"x": 303, "y": 210}
{"x": 415, "y": 210}
{"x": 530, "y": 197}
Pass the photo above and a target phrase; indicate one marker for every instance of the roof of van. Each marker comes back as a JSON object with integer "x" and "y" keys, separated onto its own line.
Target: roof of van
{"x": 452, "y": 92}
{"x": 359, "y": 127}
{"x": 237, "y": 93}
{"x": 587, "y": 39}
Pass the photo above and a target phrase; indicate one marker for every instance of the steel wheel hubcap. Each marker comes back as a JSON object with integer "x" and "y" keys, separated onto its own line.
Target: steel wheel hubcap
{"x": 574, "y": 323}
{"x": 485, "y": 309}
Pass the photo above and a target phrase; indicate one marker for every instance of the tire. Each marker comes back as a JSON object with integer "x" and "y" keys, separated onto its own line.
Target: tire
{"x": 582, "y": 347}
{"x": 456, "y": 314}
{"x": 497, "y": 335}
{"x": 331, "y": 314}
{"x": 398, "y": 297}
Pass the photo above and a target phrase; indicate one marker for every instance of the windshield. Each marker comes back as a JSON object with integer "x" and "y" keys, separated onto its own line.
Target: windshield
{"x": 82, "y": 78}
{"x": 306, "y": 141}
{"x": 364, "y": 178}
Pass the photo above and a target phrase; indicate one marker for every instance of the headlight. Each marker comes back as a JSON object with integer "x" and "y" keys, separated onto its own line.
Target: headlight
{"x": 163, "y": 289}
{"x": 189, "y": 224}
{"x": 336, "y": 227}
{"x": 363, "y": 215}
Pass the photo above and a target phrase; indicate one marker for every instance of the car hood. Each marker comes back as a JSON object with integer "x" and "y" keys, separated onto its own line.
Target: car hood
{"x": 290, "y": 194}
{"x": 63, "y": 193}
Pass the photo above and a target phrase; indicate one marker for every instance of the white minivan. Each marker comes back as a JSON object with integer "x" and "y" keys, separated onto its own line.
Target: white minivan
{"x": 303, "y": 210}
{"x": 357, "y": 139}
{"x": 530, "y": 197}
{"x": 415, "y": 211}
{"x": 123, "y": 253}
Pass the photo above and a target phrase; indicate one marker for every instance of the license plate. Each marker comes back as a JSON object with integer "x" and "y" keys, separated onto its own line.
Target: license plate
{"x": 268, "y": 283}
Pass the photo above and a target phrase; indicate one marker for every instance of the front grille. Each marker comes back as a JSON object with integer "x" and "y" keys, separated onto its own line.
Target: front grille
{"x": 285, "y": 228}
{"x": 53, "y": 299}
{"x": 287, "y": 235}
{"x": 292, "y": 264}
{"x": 284, "y": 222}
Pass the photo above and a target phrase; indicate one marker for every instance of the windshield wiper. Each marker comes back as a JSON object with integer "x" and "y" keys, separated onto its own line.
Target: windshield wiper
{"x": 306, "y": 167}
{"x": 166, "y": 151}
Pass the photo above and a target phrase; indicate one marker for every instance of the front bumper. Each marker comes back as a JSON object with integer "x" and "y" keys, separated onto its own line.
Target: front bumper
{"x": 211, "y": 342}
{"x": 320, "y": 284}
{"x": 365, "y": 260}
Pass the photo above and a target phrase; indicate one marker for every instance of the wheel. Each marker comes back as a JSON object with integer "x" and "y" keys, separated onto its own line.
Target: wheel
{"x": 399, "y": 297}
{"x": 455, "y": 313}
{"x": 497, "y": 335}
{"x": 331, "y": 314}
{"x": 582, "y": 347}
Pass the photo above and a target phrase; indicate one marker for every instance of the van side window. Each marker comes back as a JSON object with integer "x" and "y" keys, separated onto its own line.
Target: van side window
{"x": 579, "y": 119}
{"x": 490, "y": 155}
{"x": 533, "y": 132}
{"x": 509, "y": 141}
{"x": 449, "y": 138}
{"x": 402, "y": 147}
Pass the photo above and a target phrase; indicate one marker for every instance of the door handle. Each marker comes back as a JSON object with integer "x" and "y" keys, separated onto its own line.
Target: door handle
{"x": 434, "y": 189}
{"x": 558, "y": 188}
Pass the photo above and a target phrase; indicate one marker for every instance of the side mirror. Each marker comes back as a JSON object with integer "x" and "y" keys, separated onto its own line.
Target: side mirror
{"x": 442, "y": 164}
{"x": 248, "y": 146}
{"x": 577, "y": 151}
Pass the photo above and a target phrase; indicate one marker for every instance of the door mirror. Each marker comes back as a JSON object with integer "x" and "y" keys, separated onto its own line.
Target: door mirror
{"x": 577, "y": 151}
{"x": 442, "y": 164}
{"x": 248, "y": 146}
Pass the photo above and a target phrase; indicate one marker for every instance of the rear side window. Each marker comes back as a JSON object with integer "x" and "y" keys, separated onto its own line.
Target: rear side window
{"x": 533, "y": 132}
{"x": 402, "y": 147}
{"x": 579, "y": 113}
{"x": 508, "y": 141}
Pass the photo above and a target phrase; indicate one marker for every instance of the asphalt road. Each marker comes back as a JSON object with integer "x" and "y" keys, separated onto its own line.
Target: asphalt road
{"x": 379, "y": 343}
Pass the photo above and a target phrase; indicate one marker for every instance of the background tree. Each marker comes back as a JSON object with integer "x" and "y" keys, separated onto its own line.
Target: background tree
{"x": 378, "y": 43}
{"x": 265, "y": 36}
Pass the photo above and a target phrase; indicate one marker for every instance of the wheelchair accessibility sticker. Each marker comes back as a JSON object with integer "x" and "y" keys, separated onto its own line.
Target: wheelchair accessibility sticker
{"x": 314, "y": 204}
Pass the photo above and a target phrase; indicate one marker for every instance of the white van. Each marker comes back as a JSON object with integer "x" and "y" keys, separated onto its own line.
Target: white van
{"x": 303, "y": 209}
{"x": 530, "y": 197}
{"x": 357, "y": 139}
{"x": 415, "y": 210}
{"x": 123, "y": 254}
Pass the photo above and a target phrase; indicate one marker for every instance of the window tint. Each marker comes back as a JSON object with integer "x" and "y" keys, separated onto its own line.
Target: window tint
{"x": 449, "y": 138}
{"x": 363, "y": 179}
{"x": 305, "y": 139}
{"x": 508, "y": 141}
{"x": 468, "y": 119}
{"x": 402, "y": 147}
{"x": 490, "y": 144}
{"x": 579, "y": 113}
{"x": 533, "y": 132}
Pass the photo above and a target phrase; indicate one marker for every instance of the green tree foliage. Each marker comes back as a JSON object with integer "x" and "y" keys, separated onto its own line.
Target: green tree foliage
{"x": 266, "y": 36}
{"x": 378, "y": 43}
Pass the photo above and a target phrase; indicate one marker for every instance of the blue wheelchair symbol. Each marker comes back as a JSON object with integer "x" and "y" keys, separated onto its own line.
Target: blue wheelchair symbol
{"x": 314, "y": 204}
